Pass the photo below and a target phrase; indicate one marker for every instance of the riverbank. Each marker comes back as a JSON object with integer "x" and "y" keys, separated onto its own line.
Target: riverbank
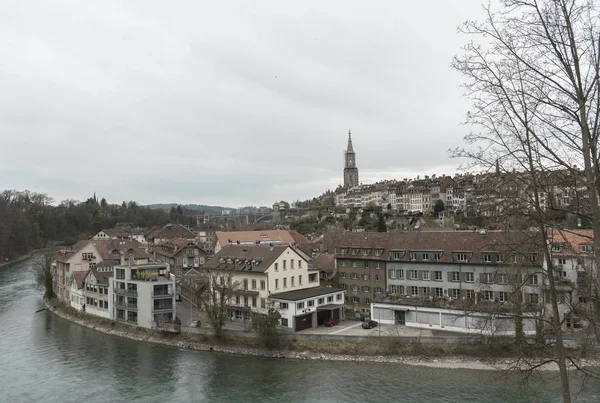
{"x": 433, "y": 356}
{"x": 27, "y": 256}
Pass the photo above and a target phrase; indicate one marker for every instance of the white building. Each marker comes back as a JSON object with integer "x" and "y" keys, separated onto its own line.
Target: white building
{"x": 451, "y": 320}
{"x": 144, "y": 295}
{"x": 259, "y": 274}
{"x": 310, "y": 307}
{"x": 76, "y": 284}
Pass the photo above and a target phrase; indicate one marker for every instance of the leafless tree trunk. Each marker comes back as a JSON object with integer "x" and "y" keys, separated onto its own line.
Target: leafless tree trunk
{"x": 216, "y": 297}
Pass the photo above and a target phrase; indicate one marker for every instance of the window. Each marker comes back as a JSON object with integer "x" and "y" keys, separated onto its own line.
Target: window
{"x": 245, "y": 301}
{"x": 342, "y": 275}
{"x": 587, "y": 248}
{"x": 378, "y": 252}
{"x": 355, "y": 288}
{"x": 321, "y": 301}
{"x": 300, "y": 305}
{"x": 354, "y": 276}
{"x": 330, "y": 299}
{"x": 366, "y": 265}
{"x": 455, "y": 276}
{"x": 562, "y": 261}
{"x": 377, "y": 277}
{"x": 299, "y": 263}
{"x": 378, "y": 290}
{"x": 262, "y": 285}
{"x": 439, "y": 292}
{"x": 424, "y": 256}
{"x": 338, "y": 297}
{"x": 343, "y": 251}
{"x": 487, "y": 278}
{"x": 253, "y": 302}
{"x": 366, "y": 289}
{"x": 412, "y": 256}
{"x": 276, "y": 266}
{"x": 414, "y": 290}
{"x": 396, "y": 255}
{"x": 283, "y": 305}
{"x": 471, "y": 294}
{"x": 276, "y": 283}
{"x": 400, "y": 274}
{"x": 292, "y": 281}
{"x": 313, "y": 277}
{"x": 354, "y": 251}
{"x": 462, "y": 257}
{"x": 437, "y": 275}
{"x": 245, "y": 284}
{"x": 355, "y": 300}
{"x": 426, "y": 275}
{"x": 237, "y": 299}
{"x": 533, "y": 279}
{"x": 502, "y": 278}
{"x": 502, "y": 296}
{"x": 533, "y": 298}
{"x": 291, "y": 264}
{"x": 310, "y": 303}
{"x": 437, "y": 256}
{"x": 365, "y": 252}
{"x": 254, "y": 284}
{"x": 414, "y": 275}
{"x": 454, "y": 293}
{"x": 488, "y": 295}
{"x": 555, "y": 247}
{"x": 285, "y": 265}
{"x": 354, "y": 263}
{"x": 392, "y": 273}
{"x": 285, "y": 282}
{"x": 487, "y": 258}
{"x": 469, "y": 277}
{"x": 533, "y": 257}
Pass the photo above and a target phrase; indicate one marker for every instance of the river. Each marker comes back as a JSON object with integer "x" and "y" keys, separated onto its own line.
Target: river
{"x": 48, "y": 359}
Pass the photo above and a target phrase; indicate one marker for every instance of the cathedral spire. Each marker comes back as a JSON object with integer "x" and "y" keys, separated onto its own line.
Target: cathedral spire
{"x": 350, "y": 149}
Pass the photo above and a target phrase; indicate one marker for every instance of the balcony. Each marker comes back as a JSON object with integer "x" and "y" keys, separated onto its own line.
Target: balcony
{"x": 132, "y": 307}
{"x": 121, "y": 305}
{"x": 162, "y": 309}
{"x": 124, "y": 291}
{"x": 162, "y": 294}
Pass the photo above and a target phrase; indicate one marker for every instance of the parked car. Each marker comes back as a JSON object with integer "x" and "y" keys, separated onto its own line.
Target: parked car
{"x": 369, "y": 324}
{"x": 331, "y": 322}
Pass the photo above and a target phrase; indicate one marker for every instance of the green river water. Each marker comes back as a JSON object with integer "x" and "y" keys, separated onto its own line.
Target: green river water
{"x": 47, "y": 359}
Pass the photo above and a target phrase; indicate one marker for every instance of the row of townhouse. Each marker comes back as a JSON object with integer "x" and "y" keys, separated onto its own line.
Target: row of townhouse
{"x": 115, "y": 279}
{"x": 277, "y": 276}
{"x": 483, "y": 194}
{"x": 455, "y": 269}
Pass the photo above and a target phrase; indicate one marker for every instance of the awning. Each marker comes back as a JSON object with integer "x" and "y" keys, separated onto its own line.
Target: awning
{"x": 328, "y": 307}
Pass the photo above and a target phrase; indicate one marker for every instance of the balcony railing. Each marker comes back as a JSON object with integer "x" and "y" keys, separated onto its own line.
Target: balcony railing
{"x": 162, "y": 294}
{"x": 124, "y": 291}
{"x": 132, "y": 307}
{"x": 120, "y": 304}
{"x": 162, "y": 309}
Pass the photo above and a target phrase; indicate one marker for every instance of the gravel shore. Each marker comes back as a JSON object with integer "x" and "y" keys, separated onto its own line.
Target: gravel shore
{"x": 441, "y": 363}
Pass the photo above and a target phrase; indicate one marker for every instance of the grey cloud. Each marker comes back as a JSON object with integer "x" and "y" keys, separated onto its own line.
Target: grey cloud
{"x": 230, "y": 103}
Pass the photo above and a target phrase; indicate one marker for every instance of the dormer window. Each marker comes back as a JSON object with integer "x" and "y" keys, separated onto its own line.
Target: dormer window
{"x": 354, "y": 251}
{"x": 533, "y": 257}
{"x": 378, "y": 252}
{"x": 344, "y": 251}
{"x": 365, "y": 252}
{"x": 437, "y": 256}
{"x": 586, "y": 248}
{"x": 413, "y": 255}
{"x": 556, "y": 247}
{"x": 396, "y": 255}
{"x": 425, "y": 256}
{"x": 461, "y": 257}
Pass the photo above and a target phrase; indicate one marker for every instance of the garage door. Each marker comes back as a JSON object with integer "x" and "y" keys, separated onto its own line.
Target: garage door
{"x": 303, "y": 322}
{"x": 321, "y": 317}
{"x": 336, "y": 313}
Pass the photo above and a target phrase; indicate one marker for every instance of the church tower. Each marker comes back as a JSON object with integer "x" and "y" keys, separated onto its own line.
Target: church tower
{"x": 350, "y": 169}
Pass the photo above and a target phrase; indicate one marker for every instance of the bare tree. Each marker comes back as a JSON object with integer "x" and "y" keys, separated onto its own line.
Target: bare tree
{"x": 42, "y": 266}
{"x": 216, "y": 297}
{"x": 534, "y": 85}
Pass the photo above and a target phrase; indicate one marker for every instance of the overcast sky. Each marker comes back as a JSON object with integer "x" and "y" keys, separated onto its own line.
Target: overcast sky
{"x": 225, "y": 102}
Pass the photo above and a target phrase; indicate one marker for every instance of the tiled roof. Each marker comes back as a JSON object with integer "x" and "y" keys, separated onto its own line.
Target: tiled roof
{"x": 570, "y": 241}
{"x": 447, "y": 242}
{"x": 265, "y": 237}
{"x": 245, "y": 258}
{"x": 171, "y": 231}
{"x": 173, "y": 246}
{"x": 78, "y": 277}
{"x": 102, "y": 276}
{"x": 109, "y": 249}
{"x": 324, "y": 262}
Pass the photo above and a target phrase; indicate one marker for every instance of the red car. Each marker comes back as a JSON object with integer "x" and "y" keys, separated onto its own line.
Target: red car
{"x": 331, "y": 322}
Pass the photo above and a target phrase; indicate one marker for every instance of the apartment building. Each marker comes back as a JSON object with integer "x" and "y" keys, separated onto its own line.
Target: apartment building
{"x": 361, "y": 262}
{"x": 144, "y": 295}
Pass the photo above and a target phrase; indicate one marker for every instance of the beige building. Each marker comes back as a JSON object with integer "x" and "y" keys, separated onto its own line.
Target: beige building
{"x": 262, "y": 238}
{"x": 258, "y": 273}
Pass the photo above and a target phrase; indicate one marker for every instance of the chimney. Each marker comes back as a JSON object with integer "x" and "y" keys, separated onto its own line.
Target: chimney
{"x": 271, "y": 247}
{"x": 122, "y": 258}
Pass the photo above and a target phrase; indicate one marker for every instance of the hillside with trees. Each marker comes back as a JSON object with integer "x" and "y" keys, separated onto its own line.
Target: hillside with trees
{"x": 30, "y": 220}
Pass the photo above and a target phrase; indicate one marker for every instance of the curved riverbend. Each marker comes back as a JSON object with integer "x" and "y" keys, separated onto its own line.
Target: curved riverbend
{"x": 45, "y": 357}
